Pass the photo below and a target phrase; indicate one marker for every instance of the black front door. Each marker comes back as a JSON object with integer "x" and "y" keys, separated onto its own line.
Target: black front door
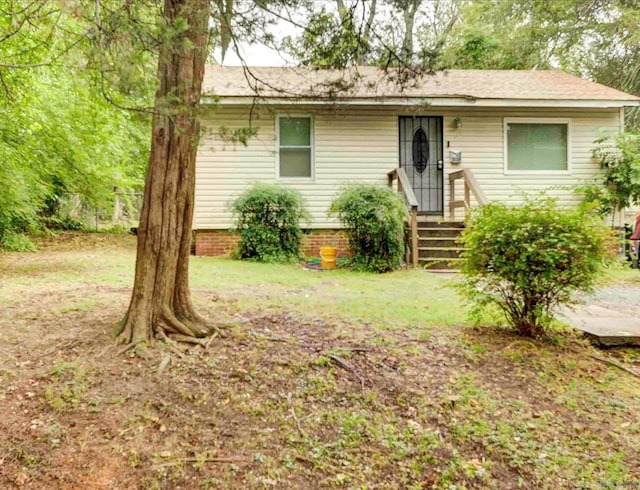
{"x": 421, "y": 155}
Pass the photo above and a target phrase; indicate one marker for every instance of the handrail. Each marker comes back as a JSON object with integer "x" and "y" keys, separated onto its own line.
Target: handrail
{"x": 471, "y": 185}
{"x": 405, "y": 185}
{"x": 404, "y": 188}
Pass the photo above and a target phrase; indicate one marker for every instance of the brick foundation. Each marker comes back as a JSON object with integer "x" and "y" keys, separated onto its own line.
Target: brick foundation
{"x": 223, "y": 242}
{"x": 215, "y": 242}
{"x": 322, "y": 238}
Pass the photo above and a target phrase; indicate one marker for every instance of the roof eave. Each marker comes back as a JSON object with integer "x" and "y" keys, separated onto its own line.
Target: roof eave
{"x": 426, "y": 101}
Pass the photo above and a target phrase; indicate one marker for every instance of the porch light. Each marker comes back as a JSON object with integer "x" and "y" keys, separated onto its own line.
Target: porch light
{"x": 457, "y": 122}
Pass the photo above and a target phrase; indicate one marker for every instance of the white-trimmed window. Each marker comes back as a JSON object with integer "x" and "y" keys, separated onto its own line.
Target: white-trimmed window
{"x": 537, "y": 145}
{"x": 295, "y": 147}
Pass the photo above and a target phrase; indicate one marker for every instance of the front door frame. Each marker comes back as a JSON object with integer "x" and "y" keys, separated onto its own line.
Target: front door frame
{"x": 420, "y": 190}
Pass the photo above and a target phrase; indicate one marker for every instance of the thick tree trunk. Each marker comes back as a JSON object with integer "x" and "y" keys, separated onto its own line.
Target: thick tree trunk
{"x": 161, "y": 300}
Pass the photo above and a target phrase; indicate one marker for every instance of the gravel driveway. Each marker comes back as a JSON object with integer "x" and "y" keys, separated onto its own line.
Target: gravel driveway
{"x": 623, "y": 299}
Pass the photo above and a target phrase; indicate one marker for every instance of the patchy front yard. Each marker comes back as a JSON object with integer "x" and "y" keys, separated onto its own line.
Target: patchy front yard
{"x": 329, "y": 380}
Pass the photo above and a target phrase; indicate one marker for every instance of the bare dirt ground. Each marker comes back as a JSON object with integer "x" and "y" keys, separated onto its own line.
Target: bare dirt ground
{"x": 289, "y": 400}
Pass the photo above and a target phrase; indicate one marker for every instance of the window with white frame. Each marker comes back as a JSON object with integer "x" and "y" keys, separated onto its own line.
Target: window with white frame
{"x": 295, "y": 146}
{"x": 537, "y": 145}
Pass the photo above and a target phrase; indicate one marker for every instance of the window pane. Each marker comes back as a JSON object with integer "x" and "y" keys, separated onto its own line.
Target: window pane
{"x": 295, "y": 162}
{"x": 532, "y": 146}
{"x": 295, "y": 131}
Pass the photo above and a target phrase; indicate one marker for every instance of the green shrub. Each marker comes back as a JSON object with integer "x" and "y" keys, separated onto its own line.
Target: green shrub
{"x": 373, "y": 218}
{"x": 16, "y": 242}
{"x": 63, "y": 222}
{"x": 529, "y": 259}
{"x": 18, "y": 211}
{"x": 268, "y": 220}
{"x": 619, "y": 157}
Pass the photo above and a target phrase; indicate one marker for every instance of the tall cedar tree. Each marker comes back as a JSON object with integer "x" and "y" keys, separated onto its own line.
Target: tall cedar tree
{"x": 161, "y": 300}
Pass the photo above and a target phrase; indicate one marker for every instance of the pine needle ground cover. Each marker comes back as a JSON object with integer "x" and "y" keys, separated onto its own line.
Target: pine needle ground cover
{"x": 327, "y": 380}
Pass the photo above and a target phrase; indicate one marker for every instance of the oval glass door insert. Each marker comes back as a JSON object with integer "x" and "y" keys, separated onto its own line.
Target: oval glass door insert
{"x": 420, "y": 150}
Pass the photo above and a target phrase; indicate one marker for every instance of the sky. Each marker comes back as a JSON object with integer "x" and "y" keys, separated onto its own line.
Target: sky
{"x": 254, "y": 55}
{"x": 259, "y": 54}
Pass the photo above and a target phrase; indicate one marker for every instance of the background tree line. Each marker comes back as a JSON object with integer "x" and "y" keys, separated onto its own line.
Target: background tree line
{"x": 63, "y": 132}
{"x": 77, "y": 77}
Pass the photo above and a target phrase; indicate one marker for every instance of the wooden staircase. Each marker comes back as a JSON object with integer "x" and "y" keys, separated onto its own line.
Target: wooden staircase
{"x": 437, "y": 246}
{"x": 433, "y": 244}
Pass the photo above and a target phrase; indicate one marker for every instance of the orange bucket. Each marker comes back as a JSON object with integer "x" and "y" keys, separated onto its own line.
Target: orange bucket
{"x": 328, "y": 257}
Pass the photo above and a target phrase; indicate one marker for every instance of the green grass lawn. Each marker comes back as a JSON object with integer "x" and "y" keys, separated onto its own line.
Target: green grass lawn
{"x": 620, "y": 274}
{"x": 328, "y": 380}
{"x": 402, "y": 298}
{"x": 398, "y": 299}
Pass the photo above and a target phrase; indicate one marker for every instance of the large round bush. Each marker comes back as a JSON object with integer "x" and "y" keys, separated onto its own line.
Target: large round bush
{"x": 373, "y": 218}
{"x": 268, "y": 220}
{"x": 529, "y": 259}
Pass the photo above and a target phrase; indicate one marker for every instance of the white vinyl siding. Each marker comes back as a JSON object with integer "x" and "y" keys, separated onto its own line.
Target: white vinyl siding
{"x": 348, "y": 147}
{"x": 360, "y": 144}
{"x": 481, "y": 140}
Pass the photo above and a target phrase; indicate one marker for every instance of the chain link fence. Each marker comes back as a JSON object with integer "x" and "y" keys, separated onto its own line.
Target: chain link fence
{"x": 123, "y": 210}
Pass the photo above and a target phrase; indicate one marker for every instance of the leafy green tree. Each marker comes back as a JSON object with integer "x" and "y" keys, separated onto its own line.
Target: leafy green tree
{"x": 58, "y": 135}
{"x": 332, "y": 36}
{"x": 620, "y": 160}
{"x": 598, "y": 39}
{"x": 398, "y": 33}
{"x": 328, "y": 42}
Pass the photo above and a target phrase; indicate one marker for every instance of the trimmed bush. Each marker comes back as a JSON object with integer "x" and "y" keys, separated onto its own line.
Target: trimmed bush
{"x": 373, "y": 218}
{"x": 268, "y": 220}
{"x": 529, "y": 259}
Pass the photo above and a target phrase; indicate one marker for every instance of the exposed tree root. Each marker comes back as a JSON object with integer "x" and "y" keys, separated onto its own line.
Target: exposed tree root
{"x": 213, "y": 336}
{"x": 344, "y": 365}
{"x": 118, "y": 327}
{"x": 170, "y": 343}
{"x": 615, "y": 365}
{"x": 128, "y": 347}
{"x": 608, "y": 362}
{"x": 127, "y": 334}
{"x": 57, "y": 348}
{"x": 190, "y": 325}
{"x": 187, "y": 327}
{"x": 172, "y": 325}
{"x": 203, "y": 325}
{"x": 142, "y": 351}
{"x": 188, "y": 340}
{"x": 163, "y": 364}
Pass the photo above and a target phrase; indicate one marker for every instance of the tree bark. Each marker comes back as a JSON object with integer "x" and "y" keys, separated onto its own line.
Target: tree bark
{"x": 161, "y": 299}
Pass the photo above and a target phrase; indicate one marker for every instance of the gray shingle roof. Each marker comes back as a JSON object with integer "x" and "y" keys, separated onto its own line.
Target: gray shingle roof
{"x": 366, "y": 82}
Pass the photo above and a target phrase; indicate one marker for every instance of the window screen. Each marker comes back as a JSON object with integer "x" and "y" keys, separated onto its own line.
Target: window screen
{"x": 295, "y": 146}
{"x": 537, "y": 146}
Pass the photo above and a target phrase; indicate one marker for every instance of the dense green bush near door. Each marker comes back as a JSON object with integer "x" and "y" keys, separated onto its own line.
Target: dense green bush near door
{"x": 373, "y": 218}
{"x": 529, "y": 259}
{"x": 268, "y": 220}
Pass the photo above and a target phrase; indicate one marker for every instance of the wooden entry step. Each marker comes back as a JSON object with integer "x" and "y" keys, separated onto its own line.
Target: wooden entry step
{"x": 437, "y": 245}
